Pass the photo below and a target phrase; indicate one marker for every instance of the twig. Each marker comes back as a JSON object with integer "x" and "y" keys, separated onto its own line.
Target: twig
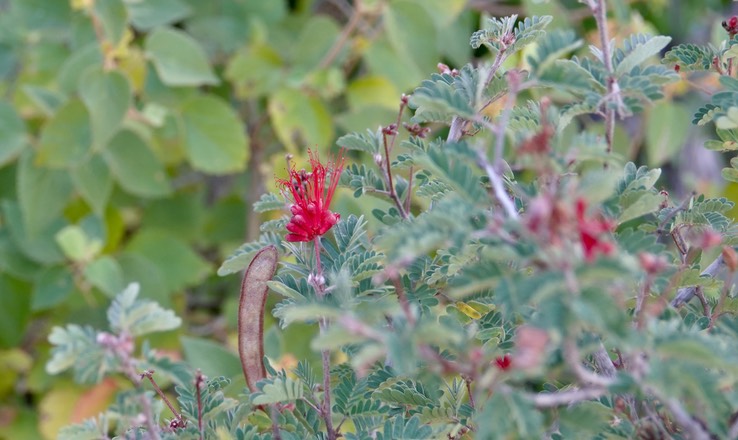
{"x": 199, "y": 379}
{"x": 149, "y": 374}
{"x": 404, "y": 303}
{"x": 468, "y": 381}
{"x": 676, "y": 210}
{"x": 568, "y": 397}
{"x": 342, "y": 38}
{"x": 457, "y": 123}
{"x": 498, "y": 186}
{"x": 571, "y": 355}
{"x": 325, "y": 355}
{"x": 392, "y": 192}
{"x": 274, "y": 414}
{"x": 701, "y": 296}
{"x": 687, "y": 293}
{"x": 599, "y": 10}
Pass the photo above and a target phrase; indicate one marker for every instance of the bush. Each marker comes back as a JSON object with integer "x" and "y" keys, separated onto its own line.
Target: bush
{"x": 513, "y": 276}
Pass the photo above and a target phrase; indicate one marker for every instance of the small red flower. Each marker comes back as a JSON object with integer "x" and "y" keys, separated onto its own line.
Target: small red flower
{"x": 504, "y": 363}
{"x": 591, "y": 231}
{"x": 311, "y": 199}
{"x": 731, "y": 26}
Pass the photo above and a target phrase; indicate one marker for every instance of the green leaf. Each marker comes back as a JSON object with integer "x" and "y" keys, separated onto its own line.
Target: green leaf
{"x": 276, "y": 390}
{"x": 15, "y": 302}
{"x": 39, "y": 246}
{"x": 107, "y": 96}
{"x": 113, "y": 17}
{"x": 84, "y": 58}
{"x": 269, "y": 202}
{"x": 65, "y": 139}
{"x": 256, "y": 70}
{"x": 213, "y": 359}
{"x": 641, "y": 52}
{"x": 299, "y": 119}
{"x": 148, "y": 14}
{"x": 178, "y": 58}
{"x": 77, "y": 245}
{"x": 509, "y": 416}
{"x": 179, "y": 264}
{"x": 665, "y": 134}
{"x": 47, "y": 101}
{"x": 42, "y": 194}
{"x": 135, "y": 166}
{"x": 139, "y": 316}
{"x": 729, "y": 121}
{"x": 405, "y": 20}
{"x": 730, "y": 174}
{"x": 12, "y": 133}
{"x": 106, "y": 274}
{"x": 316, "y": 38}
{"x": 93, "y": 181}
{"x": 52, "y": 286}
{"x": 645, "y": 204}
{"x": 214, "y": 136}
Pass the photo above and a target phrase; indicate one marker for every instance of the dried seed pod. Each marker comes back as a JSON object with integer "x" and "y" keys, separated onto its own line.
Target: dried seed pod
{"x": 251, "y": 314}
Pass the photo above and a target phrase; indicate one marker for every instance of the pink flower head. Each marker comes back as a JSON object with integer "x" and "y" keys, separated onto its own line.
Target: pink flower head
{"x": 591, "y": 232}
{"x": 311, "y": 199}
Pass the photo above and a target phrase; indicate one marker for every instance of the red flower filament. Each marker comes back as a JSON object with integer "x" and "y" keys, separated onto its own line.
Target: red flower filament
{"x": 504, "y": 363}
{"x": 591, "y": 231}
{"x": 311, "y": 199}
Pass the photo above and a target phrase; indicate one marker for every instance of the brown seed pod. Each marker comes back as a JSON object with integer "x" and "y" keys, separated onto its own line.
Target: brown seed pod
{"x": 251, "y": 314}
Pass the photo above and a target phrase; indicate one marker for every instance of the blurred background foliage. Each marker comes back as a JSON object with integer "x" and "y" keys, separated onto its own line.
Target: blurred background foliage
{"x": 136, "y": 134}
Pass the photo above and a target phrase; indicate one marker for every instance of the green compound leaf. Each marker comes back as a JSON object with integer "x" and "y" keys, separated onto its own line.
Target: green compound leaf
{"x": 269, "y": 202}
{"x": 276, "y": 390}
{"x": 214, "y": 137}
{"x": 139, "y": 316}
{"x": 178, "y": 58}
{"x": 637, "y": 49}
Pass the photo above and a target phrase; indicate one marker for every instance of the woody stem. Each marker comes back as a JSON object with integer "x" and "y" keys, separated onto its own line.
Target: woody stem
{"x": 392, "y": 193}
{"x": 325, "y": 354}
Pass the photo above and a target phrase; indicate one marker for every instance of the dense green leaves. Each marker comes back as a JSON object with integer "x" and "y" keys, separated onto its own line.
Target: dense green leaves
{"x": 12, "y": 133}
{"x": 107, "y": 98}
{"x": 135, "y": 167}
{"x": 178, "y": 58}
{"x": 214, "y": 138}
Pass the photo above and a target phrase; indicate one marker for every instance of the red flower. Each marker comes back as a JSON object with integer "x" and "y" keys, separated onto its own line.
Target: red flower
{"x": 504, "y": 363}
{"x": 590, "y": 233}
{"x": 310, "y": 199}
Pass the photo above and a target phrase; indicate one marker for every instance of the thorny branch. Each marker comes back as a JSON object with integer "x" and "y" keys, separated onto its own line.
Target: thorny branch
{"x": 599, "y": 10}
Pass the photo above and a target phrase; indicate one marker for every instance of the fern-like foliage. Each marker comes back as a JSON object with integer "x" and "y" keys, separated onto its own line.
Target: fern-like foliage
{"x": 690, "y": 57}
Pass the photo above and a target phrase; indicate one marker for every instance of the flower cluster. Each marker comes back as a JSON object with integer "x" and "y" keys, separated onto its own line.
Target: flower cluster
{"x": 591, "y": 232}
{"x": 311, "y": 194}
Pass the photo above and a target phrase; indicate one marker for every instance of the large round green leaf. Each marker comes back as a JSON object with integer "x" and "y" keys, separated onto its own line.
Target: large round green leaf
{"x": 113, "y": 17}
{"x": 107, "y": 96}
{"x": 214, "y": 136}
{"x": 94, "y": 183}
{"x": 178, "y": 58}
{"x": 148, "y": 14}
{"x": 42, "y": 193}
{"x": 15, "y": 302}
{"x": 51, "y": 287}
{"x": 178, "y": 263}
{"x": 300, "y": 119}
{"x": 135, "y": 166}
{"x": 12, "y": 133}
{"x": 66, "y": 138}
